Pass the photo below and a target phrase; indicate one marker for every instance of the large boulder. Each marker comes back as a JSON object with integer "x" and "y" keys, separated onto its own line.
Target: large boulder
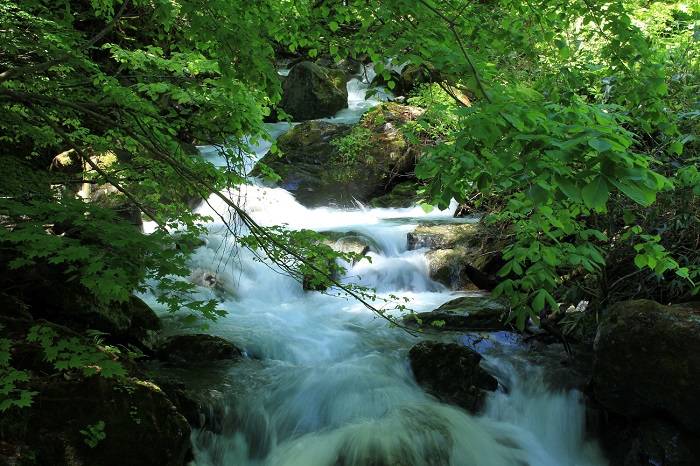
{"x": 433, "y": 235}
{"x": 648, "y": 442}
{"x": 464, "y": 314}
{"x": 451, "y": 373}
{"x": 337, "y": 164}
{"x": 647, "y": 361}
{"x": 183, "y": 350}
{"x": 77, "y": 419}
{"x": 310, "y": 91}
{"x": 463, "y": 256}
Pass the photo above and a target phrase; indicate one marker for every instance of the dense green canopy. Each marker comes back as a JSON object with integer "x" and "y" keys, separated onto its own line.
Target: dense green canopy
{"x": 579, "y": 138}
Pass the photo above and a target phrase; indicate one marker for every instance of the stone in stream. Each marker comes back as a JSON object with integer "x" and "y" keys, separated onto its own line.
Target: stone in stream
{"x": 375, "y": 157}
{"x": 462, "y": 256}
{"x": 311, "y": 92}
{"x": 646, "y": 372}
{"x": 183, "y": 350}
{"x": 451, "y": 373}
{"x": 465, "y": 313}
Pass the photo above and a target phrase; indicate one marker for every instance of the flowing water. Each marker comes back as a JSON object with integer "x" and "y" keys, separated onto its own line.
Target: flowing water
{"x": 325, "y": 382}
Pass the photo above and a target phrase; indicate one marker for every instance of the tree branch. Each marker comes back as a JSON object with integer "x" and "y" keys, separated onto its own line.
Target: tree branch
{"x": 14, "y": 72}
{"x": 93, "y": 165}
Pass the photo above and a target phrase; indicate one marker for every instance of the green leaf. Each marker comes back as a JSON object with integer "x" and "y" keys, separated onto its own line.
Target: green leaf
{"x": 333, "y": 26}
{"x": 595, "y": 194}
{"x": 676, "y": 148}
{"x": 600, "y": 145}
{"x": 569, "y": 189}
{"x": 638, "y": 192}
{"x": 640, "y": 260}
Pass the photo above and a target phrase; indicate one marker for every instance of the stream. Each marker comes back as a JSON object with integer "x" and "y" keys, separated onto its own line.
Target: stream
{"x": 325, "y": 382}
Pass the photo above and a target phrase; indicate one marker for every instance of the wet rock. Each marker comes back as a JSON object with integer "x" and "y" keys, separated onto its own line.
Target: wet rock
{"x": 310, "y": 91}
{"x": 451, "y": 373}
{"x": 413, "y": 76}
{"x": 79, "y": 420}
{"x": 350, "y": 66}
{"x": 464, "y": 256}
{"x": 647, "y": 360}
{"x": 373, "y": 158}
{"x": 465, "y": 313}
{"x": 648, "y": 442}
{"x": 402, "y": 195}
{"x": 350, "y": 241}
{"x": 182, "y": 350}
{"x": 442, "y": 235}
{"x": 213, "y": 280}
{"x": 145, "y": 325}
{"x": 447, "y": 267}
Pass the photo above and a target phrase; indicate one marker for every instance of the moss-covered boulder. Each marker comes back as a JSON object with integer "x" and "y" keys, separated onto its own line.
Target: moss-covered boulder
{"x": 77, "y": 419}
{"x": 402, "y": 195}
{"x": 196, "y": 349}
{"x": 350, "y": 241}
{"x": 465, "y": 313}
{"x": 310, "y": 91}
{"x": 463, "y": 256}
{"x": 451, "y": 373}
{"x": 648, "y": 442}
{"x": 433, "y": 235}
{"x": 337, "y": 164}
{"x": 647, "y": 361}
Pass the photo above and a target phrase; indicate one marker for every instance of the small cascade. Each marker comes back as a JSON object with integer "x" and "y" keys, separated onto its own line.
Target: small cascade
{"x": 327, "y": 383}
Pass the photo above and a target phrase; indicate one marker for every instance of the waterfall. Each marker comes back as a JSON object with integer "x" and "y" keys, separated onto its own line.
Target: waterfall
{"x": 327, "y": 383}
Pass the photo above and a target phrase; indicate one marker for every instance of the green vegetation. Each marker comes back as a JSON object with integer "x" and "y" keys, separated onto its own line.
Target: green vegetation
{"x": 579, "y": 139}
{"x": 353, "y": 151}
{"x": 94, "y": 434}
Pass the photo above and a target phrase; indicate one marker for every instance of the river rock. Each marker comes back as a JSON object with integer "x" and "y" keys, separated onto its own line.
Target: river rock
{"x": 465, "y": 313}
{"x": 463, "y": 256}
{"x": 402, "y": 195}
{"x": 313, "y": 168}
{"x": 451, "y": 373}
{"x": 442, "y": 235}
{"x": 648, "y": 442}
{"x": 310, "y": 91}
{"x": 79, "y": 420}
{"x": 183, "y": 350}
{"x": 647, "y": 361}
{"x": 350, "y": 241}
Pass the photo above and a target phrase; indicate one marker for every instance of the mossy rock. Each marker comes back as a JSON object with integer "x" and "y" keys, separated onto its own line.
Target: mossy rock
{"x": 402, "y": 195}
{"x": 451, "y": 373}
{"x": 647, "y": 360}
{"x": 463, "y": 314}
{"x": 183, "y": 350}
{"x": 443, "y": 235}
{"x": 310, "y": 92}
{"x": 79, "y": 420}
{"x": 313, "y": 167}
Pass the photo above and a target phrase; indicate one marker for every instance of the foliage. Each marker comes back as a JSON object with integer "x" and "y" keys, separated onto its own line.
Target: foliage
{"x": 11, "y": 392}
{"x": 439, "y": 120}
{"x": 75, "y": 353}
{"x": 581, "y": 139}
{"x": 94, "y": 434}
{"x": 355, "y": 147}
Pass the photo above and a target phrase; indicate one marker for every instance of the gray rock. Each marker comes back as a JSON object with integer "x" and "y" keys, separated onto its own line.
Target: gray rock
{"x": 451, "y": 373}
{"x": 310, "y": 91}
{"x": 465, "y": 313}
{"x": 183, "y": 350}
{"x": 647, "y": 361}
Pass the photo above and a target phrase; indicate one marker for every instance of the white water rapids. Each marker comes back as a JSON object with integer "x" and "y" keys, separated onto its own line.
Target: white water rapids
{"x": 326, "y": 383}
